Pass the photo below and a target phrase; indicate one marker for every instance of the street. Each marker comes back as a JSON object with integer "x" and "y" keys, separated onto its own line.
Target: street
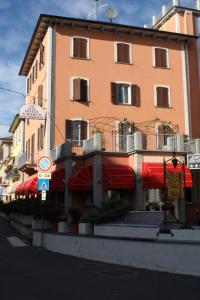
{"x": 29, "y": 273}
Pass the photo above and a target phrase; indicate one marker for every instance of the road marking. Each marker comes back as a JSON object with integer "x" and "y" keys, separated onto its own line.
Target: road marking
{"x": 15, "y": 241}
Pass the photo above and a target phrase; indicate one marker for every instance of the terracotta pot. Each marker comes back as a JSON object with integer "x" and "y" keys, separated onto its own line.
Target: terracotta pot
{"x": 73, "y": 228}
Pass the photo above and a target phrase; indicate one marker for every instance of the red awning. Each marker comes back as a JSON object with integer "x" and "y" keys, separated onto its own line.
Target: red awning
{"x": 153, "y": 174}
{"x": 114, "y": 177}
{"x": 81, "y": 180}
{"x": 57, "y": 181}
{"x": 29, "y": 186}
{"x": 118, "y": 177}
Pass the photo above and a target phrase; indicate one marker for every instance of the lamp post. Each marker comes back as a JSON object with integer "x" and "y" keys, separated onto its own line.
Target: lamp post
{"x": 175, "y": 163}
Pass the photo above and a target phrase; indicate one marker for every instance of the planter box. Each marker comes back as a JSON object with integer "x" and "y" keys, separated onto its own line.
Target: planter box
{"x": 37, "y": 224}
{"x": 27, "y": 220}
{"x": 63, "y": 227}
{"x": 85, "y": 228}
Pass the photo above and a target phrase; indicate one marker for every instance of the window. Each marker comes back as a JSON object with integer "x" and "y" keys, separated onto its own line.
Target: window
{"x": 76, "y": 130}
{"x": 125, "y": 93}
{"x": 40, "y": 95}
{"x": 161, "y": 58}
{"x": 27, "y": 85}
{"x": 33, "y": 148}
{"x": 42, "y": 57}
{"x": 79, "y": 89}
{"x": 34, "y": 75}
{"x": 28, "y": 149}
{"x": 40, "y": 137}
{"x": 80, "y": 47}
{"x": 164, "y": 131}
{"x": 122, "y": 53}
{"x": 162, "y": 97}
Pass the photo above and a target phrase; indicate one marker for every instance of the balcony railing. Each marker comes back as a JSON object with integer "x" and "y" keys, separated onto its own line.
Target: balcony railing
{"x": 25, "y": 164}
{"x": 125, "y": 144}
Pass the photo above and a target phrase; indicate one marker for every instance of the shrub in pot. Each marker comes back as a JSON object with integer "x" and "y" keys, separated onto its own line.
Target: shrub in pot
{"x": 75, "y": 215}
{"x": 63, "y": 226}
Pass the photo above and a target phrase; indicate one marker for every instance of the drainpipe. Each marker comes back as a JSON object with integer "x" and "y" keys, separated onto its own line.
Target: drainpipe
{"x": 49, "y": 89}
{"x": 186, "y": 89}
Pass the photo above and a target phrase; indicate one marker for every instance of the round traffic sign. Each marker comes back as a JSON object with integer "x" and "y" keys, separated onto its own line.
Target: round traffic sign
{"x": 44, "y": 163}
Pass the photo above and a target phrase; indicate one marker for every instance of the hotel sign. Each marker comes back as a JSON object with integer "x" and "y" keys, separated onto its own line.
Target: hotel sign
{"x": 32, "y": 111}
{"x": 175, "y": 184}
{"x": 193, "y": 161}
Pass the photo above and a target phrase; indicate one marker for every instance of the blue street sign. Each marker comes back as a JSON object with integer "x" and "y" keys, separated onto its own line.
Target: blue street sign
{"x": 43, "y": 185}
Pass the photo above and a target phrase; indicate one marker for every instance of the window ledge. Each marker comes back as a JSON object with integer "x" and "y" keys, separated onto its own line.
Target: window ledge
{"x": 169, "y": 107}
{"x": 81, "y": 58}
{"x": 123, "y": 63}
{"x": 163, "y": 68}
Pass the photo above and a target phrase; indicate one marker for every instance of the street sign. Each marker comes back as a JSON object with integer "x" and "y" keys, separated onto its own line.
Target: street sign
{"x": 44, "y": 176}
{"x": 43, "y": 185}
{"x": 44, "y": 195}
{"x": 193, "y": 161}
{"x": 44, "y": 163}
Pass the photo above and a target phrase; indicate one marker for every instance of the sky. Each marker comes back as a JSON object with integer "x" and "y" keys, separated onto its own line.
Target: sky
{"x": 17, "y": 22}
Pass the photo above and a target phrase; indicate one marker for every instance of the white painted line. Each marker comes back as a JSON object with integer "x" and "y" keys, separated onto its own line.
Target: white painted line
{"x": 15, "y": 241}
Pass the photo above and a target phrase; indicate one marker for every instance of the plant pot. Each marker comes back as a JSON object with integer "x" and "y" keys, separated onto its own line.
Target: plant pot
{"x": 85, "y": 228}
{"x": 37, "y": 224}
{"x": 63, "y": 227}
{"x": 73, "y": 228}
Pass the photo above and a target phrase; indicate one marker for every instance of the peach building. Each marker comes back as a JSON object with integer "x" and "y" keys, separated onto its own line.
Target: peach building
{"x": 118, "y": 99}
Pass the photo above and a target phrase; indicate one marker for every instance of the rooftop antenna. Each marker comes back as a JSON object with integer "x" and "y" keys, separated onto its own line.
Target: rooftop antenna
{"x": 111, "y": 13}
{"x": 95, "y": 11}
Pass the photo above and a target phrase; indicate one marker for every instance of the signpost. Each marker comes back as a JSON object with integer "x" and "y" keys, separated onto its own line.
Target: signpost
{"x": 44, "y": 176}
{"x": 193, "y": 161}
{"x": 43, "y": 185}
{"x": 44, "y": 163}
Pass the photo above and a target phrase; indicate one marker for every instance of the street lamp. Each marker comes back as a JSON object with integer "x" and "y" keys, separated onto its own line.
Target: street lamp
{"x": 175, "y": 162}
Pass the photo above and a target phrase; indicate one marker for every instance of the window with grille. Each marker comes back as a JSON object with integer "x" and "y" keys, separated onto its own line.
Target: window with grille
{"x": 161, "y": 58}
{"x": 123, "y": 53}
{"x": 80, "y": 48}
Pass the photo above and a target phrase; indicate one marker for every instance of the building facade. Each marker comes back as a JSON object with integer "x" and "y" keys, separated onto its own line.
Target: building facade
{"x": 117, "y": 100}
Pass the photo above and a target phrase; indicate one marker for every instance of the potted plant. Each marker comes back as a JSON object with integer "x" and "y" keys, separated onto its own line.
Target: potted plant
{"x": 75, "y": 215}
{"x": 52, "y": 214}
{"x": 63, "y": 226}
{"x": 85, "y": 226}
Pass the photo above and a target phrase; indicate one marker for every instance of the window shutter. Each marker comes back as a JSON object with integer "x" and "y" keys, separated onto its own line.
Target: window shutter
{"x": 119, "y": 52}
{"x": 160, "y": 139}
{"x": 163, "y": 57}
{"x": 84, "y": 90}
{"x": 38, "y": 141}
{"x": 76, "y": 49}
{"x": 41, "y": 136}
{"x": 135, "y": 95}
{"x": 83, "y": 130}
{"x": 162, "y": 97}
{"x": 160, "y": 57}
{"x": 36, "y": 69}
{"x": 83, "y": 48}
{"x": 68, "y": 129}
{"x": 41, "y": 55}
{"x": 40, "y": 95}
{"x": 77, "y": 89}
{"x": 114, "y": 92}
{"x": 126, "y": 53}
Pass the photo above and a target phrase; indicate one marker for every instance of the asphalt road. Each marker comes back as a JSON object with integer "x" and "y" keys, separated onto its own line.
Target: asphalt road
{"x": 28, "y": 273}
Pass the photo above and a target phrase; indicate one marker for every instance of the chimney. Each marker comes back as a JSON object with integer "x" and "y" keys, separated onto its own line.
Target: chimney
{"x": 198, "y": 4}
{"x": 176, "y": 3}
{"x": 154, "y": 20}
{"x": 164, "y": 10}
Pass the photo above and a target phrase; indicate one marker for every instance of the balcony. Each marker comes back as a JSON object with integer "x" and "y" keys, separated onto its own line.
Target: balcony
{"x": 27, "y": 165}
{"x": 127, "y": 143}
